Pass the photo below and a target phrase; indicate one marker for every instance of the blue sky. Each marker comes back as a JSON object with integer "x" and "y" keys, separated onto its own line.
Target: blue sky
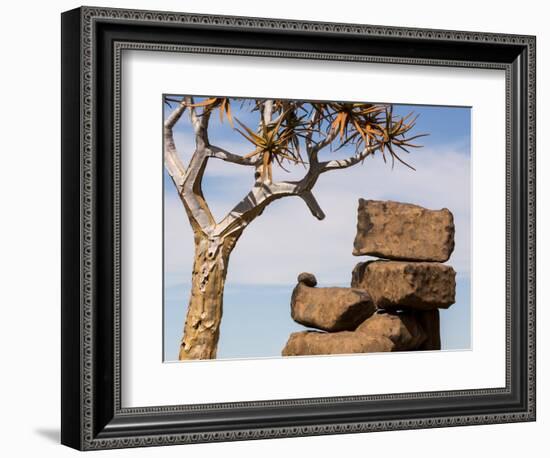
{"x": 256, "y": 318}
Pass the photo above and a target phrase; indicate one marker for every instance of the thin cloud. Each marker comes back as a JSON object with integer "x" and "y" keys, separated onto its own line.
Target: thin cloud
{"x": 287, "y": 239}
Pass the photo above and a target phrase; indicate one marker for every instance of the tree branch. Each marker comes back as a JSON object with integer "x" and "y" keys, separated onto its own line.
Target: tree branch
{"x": 172, "y": 161}
{"x": 336, "y": 164}
{"x": 199, "y": 123}
{"x": 188, "y": 181}
{"x": 311, "y": 146}
{"x": 192, "y": 184}
{"x": 253, "y": 204}
{"x": 262, "y": 194}
{"x": 267, "y": 111}
{"x": 224, "y": 155}
{"x": 175, "y": 115}
{"x": 312, "y": 204}
{"x": 332, "y": 134}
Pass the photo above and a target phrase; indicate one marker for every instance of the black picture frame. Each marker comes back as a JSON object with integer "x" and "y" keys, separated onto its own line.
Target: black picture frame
{"x": 92, "y": 416}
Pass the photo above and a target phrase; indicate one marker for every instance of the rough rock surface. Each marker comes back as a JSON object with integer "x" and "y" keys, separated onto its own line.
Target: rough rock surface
{"x": 307, "y": 279}
{"x": 406, "y": 285}
{"x": 401, "y": 231}
{"x": 402, "y": 329}
{"x": 345, "y": 342}
{"x": 330, "y": 309}
{"x": 429, "y": 320}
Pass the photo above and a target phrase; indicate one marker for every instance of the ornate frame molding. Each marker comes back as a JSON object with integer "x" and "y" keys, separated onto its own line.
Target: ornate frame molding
{"x": 91, "y": 435}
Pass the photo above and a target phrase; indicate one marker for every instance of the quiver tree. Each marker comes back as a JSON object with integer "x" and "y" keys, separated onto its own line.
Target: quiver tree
{"x": 287, "y": 133}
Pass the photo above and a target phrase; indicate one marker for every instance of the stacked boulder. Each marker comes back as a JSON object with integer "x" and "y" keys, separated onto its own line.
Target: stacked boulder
{"x": 393, "y": 303}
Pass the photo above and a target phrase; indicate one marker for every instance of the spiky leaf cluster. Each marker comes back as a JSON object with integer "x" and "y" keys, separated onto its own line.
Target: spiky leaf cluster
{"x": 367, "y": 127}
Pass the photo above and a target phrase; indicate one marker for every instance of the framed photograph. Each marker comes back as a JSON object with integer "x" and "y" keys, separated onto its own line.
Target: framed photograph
{"x": 276, "y": 228}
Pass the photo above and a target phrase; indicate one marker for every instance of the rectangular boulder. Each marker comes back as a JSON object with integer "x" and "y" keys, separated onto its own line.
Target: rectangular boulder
{"x": 401, "y": 231}
{"x": 308, "y": 343}
{"x": 330, "y": 309}
{"x": 403, "y": 329}
{"x": 399, "y": 285}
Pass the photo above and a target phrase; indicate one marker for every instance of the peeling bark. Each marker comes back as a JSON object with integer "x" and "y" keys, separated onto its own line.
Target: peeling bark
{"x": 204, "y": 314}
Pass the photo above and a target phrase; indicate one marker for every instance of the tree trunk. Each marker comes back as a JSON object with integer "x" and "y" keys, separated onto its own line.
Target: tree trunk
{"x": 202, "y": 324}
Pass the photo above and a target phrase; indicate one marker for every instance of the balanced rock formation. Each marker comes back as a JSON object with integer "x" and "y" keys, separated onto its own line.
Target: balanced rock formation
{"x": 329, "y": 309}
{"x": 397, "y": 285}
{"x": 393, "y": 304}
{"x": 408, "y": 232}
